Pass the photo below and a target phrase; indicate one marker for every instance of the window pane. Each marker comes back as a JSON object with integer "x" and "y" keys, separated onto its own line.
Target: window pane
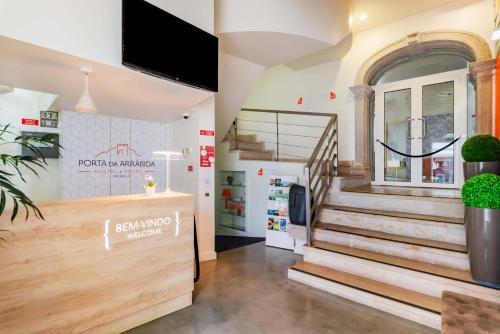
{"x": 438, "y": 131}
{"x": 397, "y": 112}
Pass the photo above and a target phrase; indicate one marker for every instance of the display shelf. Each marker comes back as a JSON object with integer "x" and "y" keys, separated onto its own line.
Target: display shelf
{"x": 233, "y": 214}
{"x": 232, "y": 200}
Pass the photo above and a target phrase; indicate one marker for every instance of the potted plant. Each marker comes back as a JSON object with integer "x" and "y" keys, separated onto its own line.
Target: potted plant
{"x": 482, "y": 155}
{"x": 481, "y": 196}
{"x": 150, "y": 185}
{"x": 13, "y": 168}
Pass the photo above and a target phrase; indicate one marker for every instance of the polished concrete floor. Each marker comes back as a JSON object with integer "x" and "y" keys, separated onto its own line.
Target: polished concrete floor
{"x": 247, "y": 291}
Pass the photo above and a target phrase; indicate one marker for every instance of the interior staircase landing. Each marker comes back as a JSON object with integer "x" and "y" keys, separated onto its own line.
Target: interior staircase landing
{"x": 405, "y": 191}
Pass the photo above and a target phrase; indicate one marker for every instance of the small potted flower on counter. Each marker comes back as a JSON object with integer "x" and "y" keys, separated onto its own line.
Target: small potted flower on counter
{"x": 150, "y": 185}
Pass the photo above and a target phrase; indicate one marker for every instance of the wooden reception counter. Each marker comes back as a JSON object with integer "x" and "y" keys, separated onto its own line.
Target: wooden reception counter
{"x": 97, "y": 265}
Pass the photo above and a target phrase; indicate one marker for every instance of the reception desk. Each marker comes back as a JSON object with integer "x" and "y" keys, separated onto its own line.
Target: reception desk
{"x": 97, "y": 265}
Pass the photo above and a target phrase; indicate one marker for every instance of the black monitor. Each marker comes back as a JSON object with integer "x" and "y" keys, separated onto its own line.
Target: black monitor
{"x": 161, "y": 44}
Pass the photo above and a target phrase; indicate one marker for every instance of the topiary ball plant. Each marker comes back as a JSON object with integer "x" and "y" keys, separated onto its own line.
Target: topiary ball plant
{"x": 481, "y": 148}
{"x": 482, "y": 191}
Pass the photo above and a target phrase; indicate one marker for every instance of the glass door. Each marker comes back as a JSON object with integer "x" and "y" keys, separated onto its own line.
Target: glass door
{"x": 417, "y": 117}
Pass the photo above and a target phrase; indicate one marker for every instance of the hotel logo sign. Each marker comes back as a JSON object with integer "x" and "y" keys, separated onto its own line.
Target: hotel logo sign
{"x": 123, "y": 159}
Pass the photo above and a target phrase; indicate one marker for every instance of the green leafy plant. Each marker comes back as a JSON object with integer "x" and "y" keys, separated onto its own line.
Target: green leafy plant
{"x": 12, "y": 166}
{"x": 482, "y": 191}
{"x": 481, "y": 148}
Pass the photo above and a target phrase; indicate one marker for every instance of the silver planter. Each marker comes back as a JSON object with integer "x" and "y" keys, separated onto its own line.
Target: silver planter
{"x": 475, "y": 168}
{"x": 483, "y": 240}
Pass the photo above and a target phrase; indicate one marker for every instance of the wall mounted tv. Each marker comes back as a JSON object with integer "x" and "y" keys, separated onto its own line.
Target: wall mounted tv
{"x": 158, "y": 43}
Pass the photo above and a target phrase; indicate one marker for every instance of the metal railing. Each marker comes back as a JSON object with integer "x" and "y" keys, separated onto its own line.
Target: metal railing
{"x": 319, "y": 172}
{"x": 288, "y": 135}
{"x": 306, "y": 137}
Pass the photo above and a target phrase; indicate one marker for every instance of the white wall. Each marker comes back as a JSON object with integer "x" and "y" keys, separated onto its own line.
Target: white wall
{"x": 237, "y": 77}
{"x": 87, "y": 28}
{"x": 279, "y": 87}
{"x": 186, "y": 134}
{"x": 27, "y": 104}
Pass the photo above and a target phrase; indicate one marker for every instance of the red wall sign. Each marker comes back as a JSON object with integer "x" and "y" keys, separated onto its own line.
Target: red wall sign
{"x": 210, "y": 133}
{"x": 190, "y": 168}
{"x": 207, "y": 156}
{"x": 29, "y": 121}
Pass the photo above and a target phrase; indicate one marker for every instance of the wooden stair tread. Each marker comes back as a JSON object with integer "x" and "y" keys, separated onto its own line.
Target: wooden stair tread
{"x": 401, "y": 262}
{"x": 406, "y": 191}
{"x": 391, "y": 237}
{"x": 396, "y": 214}
{"x": 396, "y": 293}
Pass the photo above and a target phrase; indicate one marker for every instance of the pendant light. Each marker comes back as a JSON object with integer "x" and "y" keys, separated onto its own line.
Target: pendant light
{"x": 86, "y": 104}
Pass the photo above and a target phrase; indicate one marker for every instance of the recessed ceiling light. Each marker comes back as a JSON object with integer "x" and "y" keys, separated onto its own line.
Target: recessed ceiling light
{"x": 496, "y": 34}
{"x": 363, "y": 17}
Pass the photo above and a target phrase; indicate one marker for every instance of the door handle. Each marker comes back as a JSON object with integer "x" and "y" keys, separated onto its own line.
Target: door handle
{"x": 408, "y": 122}
{"x": 424, "y": 128}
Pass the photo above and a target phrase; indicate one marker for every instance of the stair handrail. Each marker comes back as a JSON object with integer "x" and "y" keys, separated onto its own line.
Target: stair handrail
{"x": 318, "y": 179}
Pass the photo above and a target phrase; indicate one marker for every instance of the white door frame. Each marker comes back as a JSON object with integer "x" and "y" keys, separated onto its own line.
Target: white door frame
{"x": 459, "y": 78}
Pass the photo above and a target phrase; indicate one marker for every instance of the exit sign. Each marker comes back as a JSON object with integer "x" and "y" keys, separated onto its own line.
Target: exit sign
{"x": 29, "y": 121}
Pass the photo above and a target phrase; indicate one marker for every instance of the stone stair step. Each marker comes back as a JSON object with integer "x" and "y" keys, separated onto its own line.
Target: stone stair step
{"x": 405, "y": 191}
{"x": 406, "y": 227}
{"x": 392, "y": 237}
{"x": 445, "y": 207}
{"x": 434, "y": 255}
{"x": 429, "y": 268}
{"x": 252, "y": 155}
{"x": 398, "y": 214}
{"x": 245, "y": 146}
{"x": 392, "y": 299}
{"x": 241, "y": 138}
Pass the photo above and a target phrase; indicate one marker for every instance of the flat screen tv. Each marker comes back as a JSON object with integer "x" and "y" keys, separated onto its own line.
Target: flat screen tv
{"x": 158, "y": 43}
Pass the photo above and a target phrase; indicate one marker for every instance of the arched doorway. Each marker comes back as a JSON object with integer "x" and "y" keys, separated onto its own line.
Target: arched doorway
{"x": 465, "y": 48}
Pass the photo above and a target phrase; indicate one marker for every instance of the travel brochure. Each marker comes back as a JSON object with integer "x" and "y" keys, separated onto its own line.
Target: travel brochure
{"x": 277, "y": 204}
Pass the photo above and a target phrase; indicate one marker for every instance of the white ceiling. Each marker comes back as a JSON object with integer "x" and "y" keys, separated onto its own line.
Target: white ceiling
{"x": 116, "y": 91}
{"x": 367, "y": 14}
{"x": 268, "y": 48}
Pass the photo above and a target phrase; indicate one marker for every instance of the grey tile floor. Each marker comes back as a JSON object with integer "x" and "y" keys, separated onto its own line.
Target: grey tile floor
{"x": 247, "y": 291}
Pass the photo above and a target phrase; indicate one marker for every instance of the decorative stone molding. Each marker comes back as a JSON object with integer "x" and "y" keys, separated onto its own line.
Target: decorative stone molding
{"x": 482, "y": 73}
{"x": 362, "y": 94}
{"x": 468, "y": 44}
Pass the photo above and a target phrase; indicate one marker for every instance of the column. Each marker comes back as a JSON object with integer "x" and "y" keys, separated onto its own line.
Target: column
{"x": 362, "y": 95}
{"x": 482, "y": 73}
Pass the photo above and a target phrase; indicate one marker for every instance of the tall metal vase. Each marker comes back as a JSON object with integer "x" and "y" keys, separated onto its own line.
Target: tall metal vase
{"x": 475, "y": 168}
{"x": 483, "y": 238}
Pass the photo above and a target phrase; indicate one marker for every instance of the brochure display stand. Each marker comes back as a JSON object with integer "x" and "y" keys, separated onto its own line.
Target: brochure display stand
{"x": 277, "y": 212}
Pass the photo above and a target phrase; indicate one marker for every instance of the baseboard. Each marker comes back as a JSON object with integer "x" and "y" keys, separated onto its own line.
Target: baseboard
{"x": 207, "y": 256}
{"x": 143, "y": 316}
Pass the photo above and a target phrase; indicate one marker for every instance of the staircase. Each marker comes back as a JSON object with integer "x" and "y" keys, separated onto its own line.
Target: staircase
{"x": 395, "y": 249}
{"x": 248, "y": 148}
